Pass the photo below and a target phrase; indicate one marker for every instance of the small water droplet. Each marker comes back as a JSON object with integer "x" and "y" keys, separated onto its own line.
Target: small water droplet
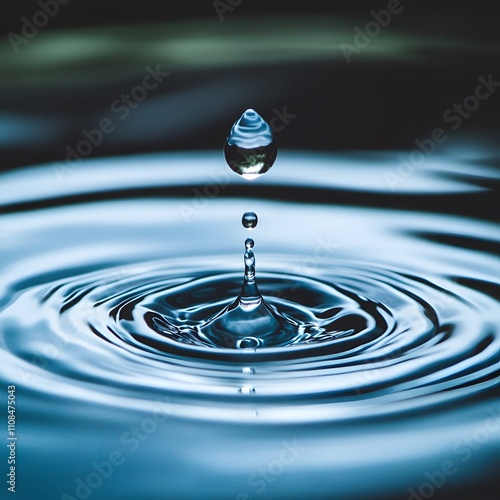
{"x": 248, "y": 370}
{"x": 249, "y": 243}
{"x": 249, "y": 220}
{"x": 250, "y": 148}
{"x": 247, "y": 389}
{"x": 248, "y": 343}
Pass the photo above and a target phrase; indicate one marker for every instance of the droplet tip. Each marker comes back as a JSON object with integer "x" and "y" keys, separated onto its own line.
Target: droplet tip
{"x": 250, "y": 177}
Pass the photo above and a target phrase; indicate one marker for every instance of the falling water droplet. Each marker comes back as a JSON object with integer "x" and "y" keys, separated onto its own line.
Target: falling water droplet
{"x": 250, "y": 149}
{"x": 247, "y": 389}
{"x": 249, "y": 220}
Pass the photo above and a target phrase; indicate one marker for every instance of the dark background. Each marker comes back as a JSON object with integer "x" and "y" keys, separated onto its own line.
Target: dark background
{"x": 265, "y": 55}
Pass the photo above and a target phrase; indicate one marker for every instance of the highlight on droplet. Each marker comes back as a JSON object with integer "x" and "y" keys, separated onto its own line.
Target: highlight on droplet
{"x": 247, "y": 389}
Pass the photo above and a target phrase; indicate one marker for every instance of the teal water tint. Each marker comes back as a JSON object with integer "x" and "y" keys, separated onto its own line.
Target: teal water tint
{"x": 386, "y": 358}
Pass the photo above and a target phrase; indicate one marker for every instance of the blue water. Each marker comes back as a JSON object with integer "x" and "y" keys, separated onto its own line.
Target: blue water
{"x": 384, "y": 383}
